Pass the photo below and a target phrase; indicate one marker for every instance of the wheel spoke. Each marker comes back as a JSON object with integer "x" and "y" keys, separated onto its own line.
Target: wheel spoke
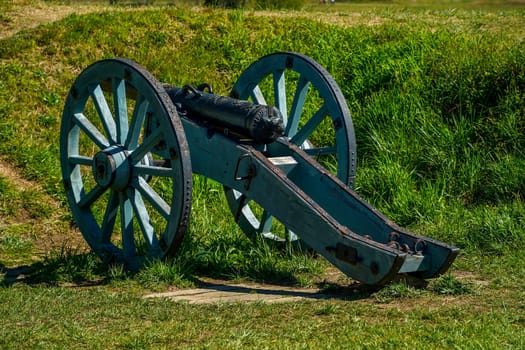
{"x": 147, "y": 145}
{"x": 145, "y": 170}
{"x": 265, "y": 225}
{"x": 321, "y": 151}
{"x": 121, "y": 108}
{"x": 143, "y": 218}
{"x": 297, "y": 106}
{"x": 153, "y": 197}
{"x": 88, "y": 199}
{"x": 257, "y": 96}
{"x": 81, "y": 160}
{"x": 310, "y": 126}
{"x": 104, "y": 112}
{"x": 137, "y": 119}
{"x": 126, "y": 224}
{"x": 279, "y": 89}
{"x": 238, "y": 204}
{"x": 110, "y": 216}
{"x": 290, "y": 236}
{"x": 90, "y": 130}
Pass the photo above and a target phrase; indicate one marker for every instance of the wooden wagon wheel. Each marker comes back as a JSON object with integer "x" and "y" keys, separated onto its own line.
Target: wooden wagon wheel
{"x": 316, "y": 117}
{"x": 125, "y": 163}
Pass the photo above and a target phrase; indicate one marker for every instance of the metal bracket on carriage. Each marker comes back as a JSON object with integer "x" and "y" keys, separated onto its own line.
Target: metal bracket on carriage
{"x": 249, "y": 170}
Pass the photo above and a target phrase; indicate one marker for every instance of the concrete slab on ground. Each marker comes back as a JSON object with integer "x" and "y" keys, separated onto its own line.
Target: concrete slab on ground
{"x": 211, "y": 293}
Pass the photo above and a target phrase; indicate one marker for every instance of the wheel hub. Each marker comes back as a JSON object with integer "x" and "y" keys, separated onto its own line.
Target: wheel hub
{"x": 111, "y": 168}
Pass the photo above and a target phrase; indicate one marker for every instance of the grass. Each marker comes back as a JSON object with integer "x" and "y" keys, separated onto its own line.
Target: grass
{"x": 96, "y": 318}
{"x": 437, "y": 98}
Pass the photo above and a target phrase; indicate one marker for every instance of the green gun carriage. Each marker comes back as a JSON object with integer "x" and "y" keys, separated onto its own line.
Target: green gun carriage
{"x": 282, "y": 145}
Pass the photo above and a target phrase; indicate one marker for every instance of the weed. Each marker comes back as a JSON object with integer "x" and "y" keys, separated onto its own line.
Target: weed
{"x": 396, "y": 290}
{"x": 117, "y": 272}
{"x": 160, "y": 274}
{"x": 329, "y": 309}
{"x": 450, "y": 285}
{"x": 12, "y": 243}
{"x": 5, "y": 19}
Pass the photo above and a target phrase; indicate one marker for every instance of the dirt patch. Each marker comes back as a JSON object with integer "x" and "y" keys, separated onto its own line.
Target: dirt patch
{"x": 46, "y": 232}
{"x": 10, "y": 173}
{"x": 22, "y": 16}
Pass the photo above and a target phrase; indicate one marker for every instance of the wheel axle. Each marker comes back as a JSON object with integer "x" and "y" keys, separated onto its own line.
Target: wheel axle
{"x": 111, "y": 168}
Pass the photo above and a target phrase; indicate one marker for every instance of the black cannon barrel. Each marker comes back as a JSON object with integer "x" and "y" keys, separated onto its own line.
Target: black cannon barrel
{"x": 264, "y": 124}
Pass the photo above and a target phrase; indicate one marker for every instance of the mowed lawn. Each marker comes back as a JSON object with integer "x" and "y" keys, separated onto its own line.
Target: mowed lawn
{"x": 437, "y": 97}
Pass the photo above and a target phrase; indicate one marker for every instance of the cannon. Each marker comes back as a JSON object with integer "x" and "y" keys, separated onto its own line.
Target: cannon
{"x": 282, "y": 144}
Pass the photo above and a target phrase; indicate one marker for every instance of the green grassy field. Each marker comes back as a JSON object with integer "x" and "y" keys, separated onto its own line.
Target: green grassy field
{"x": 437, "y": 96}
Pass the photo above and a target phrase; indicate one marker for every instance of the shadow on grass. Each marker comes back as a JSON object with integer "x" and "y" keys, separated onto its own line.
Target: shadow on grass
{"x": 65, "y": 268}
{"x": 85, "y": 270}
{"x": 57, "y": 269}
{"x": 216, "y": 265}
